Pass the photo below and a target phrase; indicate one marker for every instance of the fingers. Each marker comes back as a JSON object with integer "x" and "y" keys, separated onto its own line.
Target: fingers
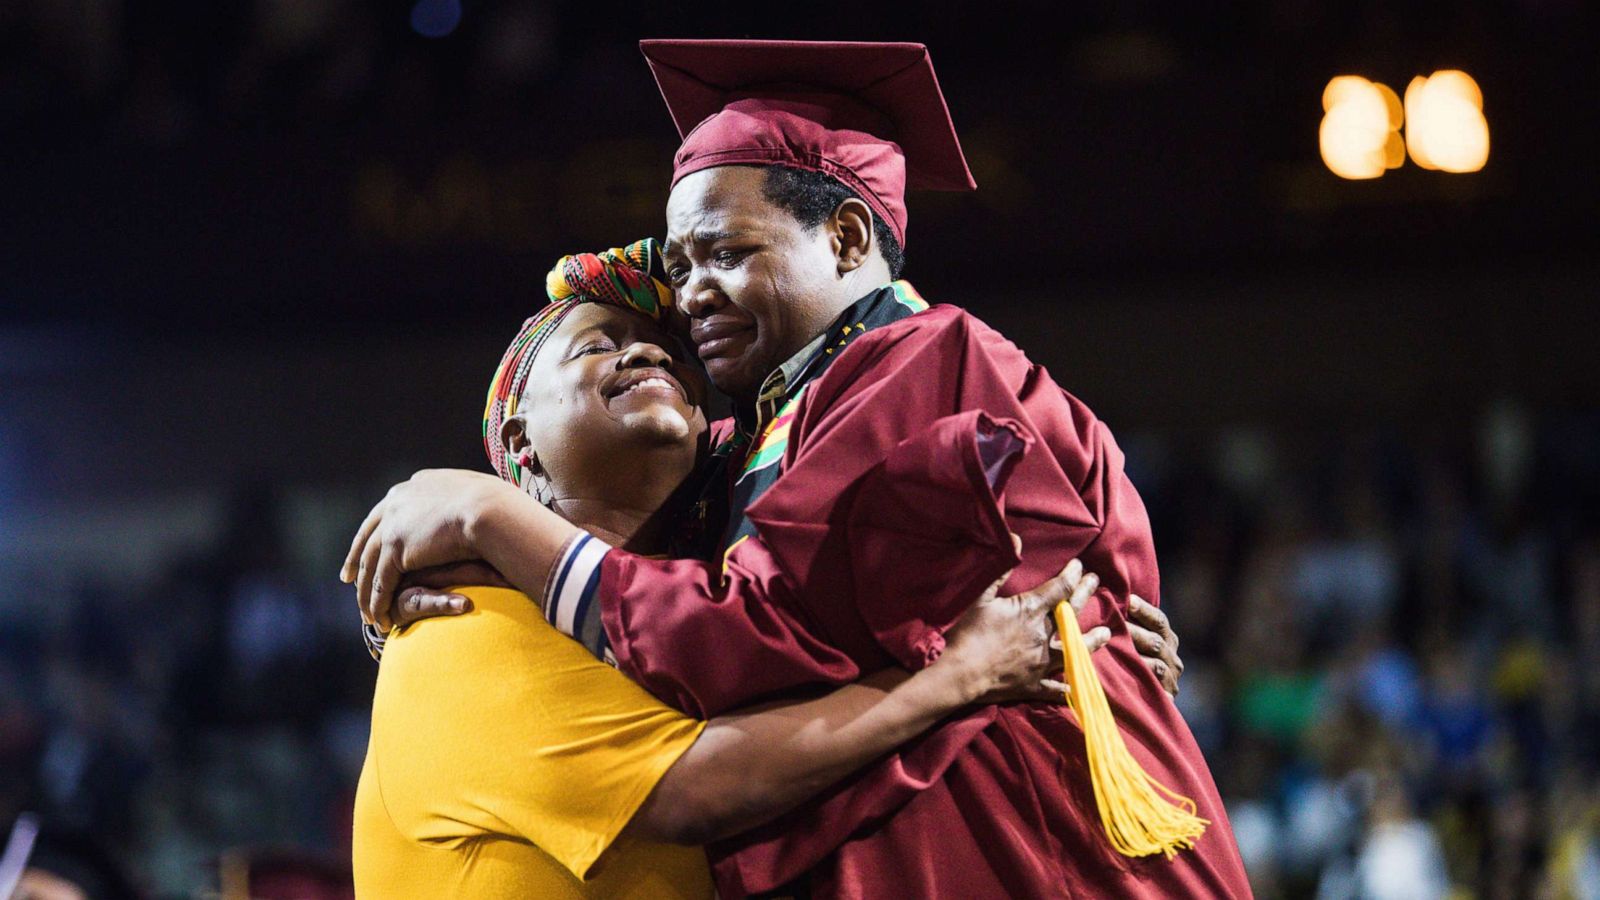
{"x": 1045, "y": 597}
{"x": 352, "y": 560}
{"x": 1146, "y": 642}
{"x": 1160, "y": 669}
{"x": 1045, "y": 690}
{"x": 441, "y": 578}
{"x": 1156, "y": 642}
{"x": 1084, "y": 589}
{"x": 414, "y": 604}
{"x": 1094, "y": 640}
{"x": 364, "y": 572}
{"x": 1151, "y": 617}
{"x": 994, "y": 589}
{"x": 384, "y": 583}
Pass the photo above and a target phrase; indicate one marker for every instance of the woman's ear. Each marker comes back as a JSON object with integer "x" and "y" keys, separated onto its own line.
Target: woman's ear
{"x": 514, "y": 438}
{"x": 851, "y": 225}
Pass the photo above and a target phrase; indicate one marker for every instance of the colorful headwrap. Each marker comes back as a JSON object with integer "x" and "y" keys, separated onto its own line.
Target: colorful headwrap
{"x": 629, "y": 277}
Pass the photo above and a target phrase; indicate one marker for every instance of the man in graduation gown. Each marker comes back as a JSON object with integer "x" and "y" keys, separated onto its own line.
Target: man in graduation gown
{"x": 880, "y": 453}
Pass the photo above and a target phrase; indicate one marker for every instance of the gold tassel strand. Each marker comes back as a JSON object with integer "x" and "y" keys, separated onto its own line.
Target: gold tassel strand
{"x": 1141, "y": 816}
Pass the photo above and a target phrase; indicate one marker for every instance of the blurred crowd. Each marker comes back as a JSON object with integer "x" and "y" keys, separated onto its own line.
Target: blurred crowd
{"x": 1390, "y": 638}
{"x": 1392, "y": 633}
{"x": 216, "y": 715}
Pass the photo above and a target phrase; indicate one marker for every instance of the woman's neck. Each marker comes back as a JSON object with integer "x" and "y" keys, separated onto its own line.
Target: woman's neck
{"x": 626, "y": 506}
{"x": 634, "y": 529}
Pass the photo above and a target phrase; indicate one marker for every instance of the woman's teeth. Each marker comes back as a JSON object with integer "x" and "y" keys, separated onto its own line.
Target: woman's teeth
{"x": 648, "y": 382}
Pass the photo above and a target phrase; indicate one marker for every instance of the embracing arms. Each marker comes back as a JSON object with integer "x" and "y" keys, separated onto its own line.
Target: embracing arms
{"x": 498, "y": 725}
{"x": 443, "y": 517}
{"x": 752, "y": 765}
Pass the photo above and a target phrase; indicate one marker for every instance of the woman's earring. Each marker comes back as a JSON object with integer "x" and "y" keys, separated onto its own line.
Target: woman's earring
{"x": 541, "y": 487}
{"x": 541, "y": 490}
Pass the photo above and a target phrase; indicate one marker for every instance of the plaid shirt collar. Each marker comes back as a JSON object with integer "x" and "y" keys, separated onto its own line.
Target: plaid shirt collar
{"x": 775, "y": 390}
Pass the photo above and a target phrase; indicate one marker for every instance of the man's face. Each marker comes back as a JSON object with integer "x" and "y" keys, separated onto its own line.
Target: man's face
{"x": 755, "y": 285}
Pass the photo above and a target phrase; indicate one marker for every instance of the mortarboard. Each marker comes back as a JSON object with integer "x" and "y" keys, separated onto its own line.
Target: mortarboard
{"x": 868, "y": 114}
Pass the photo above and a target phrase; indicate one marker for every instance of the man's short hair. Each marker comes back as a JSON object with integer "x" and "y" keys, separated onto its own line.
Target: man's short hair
{"x": 813, "y": 196}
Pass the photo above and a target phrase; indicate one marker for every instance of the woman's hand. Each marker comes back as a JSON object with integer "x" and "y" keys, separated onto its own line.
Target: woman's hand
{"x": 426, "y": 521}
{"x": 1002, "y": 649}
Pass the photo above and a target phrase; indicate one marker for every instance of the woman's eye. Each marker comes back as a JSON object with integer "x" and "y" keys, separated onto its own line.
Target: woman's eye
{"x": 596, "y": 348}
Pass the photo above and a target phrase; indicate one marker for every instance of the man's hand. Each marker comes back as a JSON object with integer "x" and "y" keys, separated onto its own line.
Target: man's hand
{"x": 426, "y": 521}
{"x": 426, "y": 594}
{"x": 1156, "y": 642}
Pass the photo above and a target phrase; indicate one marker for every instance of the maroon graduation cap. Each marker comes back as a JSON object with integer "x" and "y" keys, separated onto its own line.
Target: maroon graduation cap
{"x": 868, "y": 114}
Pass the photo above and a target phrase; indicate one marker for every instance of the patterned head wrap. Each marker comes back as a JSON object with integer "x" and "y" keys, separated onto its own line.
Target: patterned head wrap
{"x": 631, "y": 277}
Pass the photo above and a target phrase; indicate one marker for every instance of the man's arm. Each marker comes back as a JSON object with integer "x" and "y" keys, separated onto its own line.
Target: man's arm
{"x": 444, "y": 516}
{"x": 751, "y": 766}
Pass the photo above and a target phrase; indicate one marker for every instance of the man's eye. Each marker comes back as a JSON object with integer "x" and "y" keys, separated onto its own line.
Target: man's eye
{"x": 728, "y": 257}
{"x": 677, "y": 274}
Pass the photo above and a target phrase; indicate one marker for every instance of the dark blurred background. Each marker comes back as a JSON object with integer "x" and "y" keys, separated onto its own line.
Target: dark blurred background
{"x": 258, "y": 260}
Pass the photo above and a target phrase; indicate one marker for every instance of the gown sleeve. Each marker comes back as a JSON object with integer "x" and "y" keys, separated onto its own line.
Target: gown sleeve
{"x": 709, "y": 641}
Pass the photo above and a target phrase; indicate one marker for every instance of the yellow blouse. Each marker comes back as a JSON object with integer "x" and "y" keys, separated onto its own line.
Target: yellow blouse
{"x": 505, "y": 761}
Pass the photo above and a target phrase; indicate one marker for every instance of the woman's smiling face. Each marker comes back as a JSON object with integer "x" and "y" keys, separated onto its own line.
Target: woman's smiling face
{"x": 608, "y": 385}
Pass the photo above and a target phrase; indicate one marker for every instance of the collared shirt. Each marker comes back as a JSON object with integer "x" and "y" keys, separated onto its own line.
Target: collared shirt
{"x": 775, "y": 388}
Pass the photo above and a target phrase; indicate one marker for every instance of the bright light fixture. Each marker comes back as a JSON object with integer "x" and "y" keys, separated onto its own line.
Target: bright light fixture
{"x": 1359, "y": 137}
{"x": 1445, "y": 127}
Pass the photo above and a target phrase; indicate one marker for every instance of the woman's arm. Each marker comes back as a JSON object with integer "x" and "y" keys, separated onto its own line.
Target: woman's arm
{"x": 752, "y": 766}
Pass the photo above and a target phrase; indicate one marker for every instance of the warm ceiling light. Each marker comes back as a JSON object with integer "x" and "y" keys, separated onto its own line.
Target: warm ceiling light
{"x": 1359, "y": 137}
{"x": 1445, "y": 127}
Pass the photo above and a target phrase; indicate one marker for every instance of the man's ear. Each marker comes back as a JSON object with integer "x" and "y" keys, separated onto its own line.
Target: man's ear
{"x": 514, "y": 438}
{"x": 851, "y": 225}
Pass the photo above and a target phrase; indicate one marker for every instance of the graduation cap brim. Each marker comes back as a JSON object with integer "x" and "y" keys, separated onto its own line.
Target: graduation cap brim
{"x": 699, "y": 77}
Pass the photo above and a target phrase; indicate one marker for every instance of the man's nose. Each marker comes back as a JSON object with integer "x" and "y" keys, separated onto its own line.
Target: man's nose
{"x": 642, "y": 355}
{"x": 701, "y": 298}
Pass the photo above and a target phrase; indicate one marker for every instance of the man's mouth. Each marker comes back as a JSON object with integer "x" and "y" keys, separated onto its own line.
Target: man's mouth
{"x": 714, "y": 338}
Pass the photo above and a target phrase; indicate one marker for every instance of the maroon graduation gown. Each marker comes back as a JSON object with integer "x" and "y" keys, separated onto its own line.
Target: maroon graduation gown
{"x": 909, "y": 459}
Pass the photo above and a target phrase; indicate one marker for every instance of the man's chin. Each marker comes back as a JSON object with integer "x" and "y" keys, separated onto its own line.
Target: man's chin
{"x": 732, "y": 376}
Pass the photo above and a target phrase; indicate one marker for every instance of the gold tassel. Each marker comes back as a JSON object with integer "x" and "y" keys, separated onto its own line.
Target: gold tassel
{"x": 1141, "y": 816}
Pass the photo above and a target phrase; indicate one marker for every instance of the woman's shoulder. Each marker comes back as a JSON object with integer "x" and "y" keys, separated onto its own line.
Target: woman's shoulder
{"x": 502, "y": 625}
